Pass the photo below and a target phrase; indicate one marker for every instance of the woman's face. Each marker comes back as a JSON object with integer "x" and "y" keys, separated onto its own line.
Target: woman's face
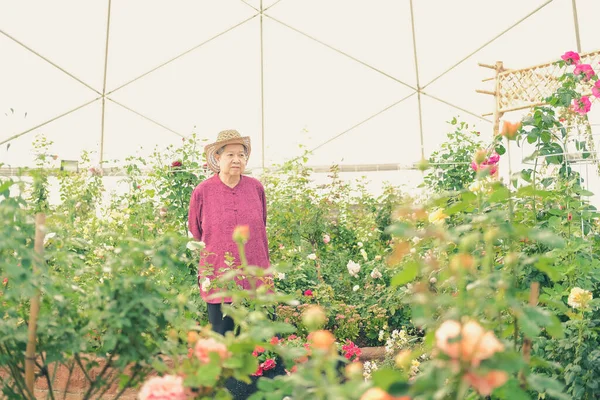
{"x": 232, "y": 160}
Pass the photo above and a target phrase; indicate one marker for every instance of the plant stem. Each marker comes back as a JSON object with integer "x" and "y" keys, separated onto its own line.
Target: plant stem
{"x": 68, "y": 379}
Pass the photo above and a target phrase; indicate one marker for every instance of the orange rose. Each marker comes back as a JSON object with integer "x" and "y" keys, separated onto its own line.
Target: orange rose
{"x": 510, "y": 129}
{"x": 462, "y": 261}
{"x": 322, "y": 339}
{"x": 206, "y": 346}
{"x": 241, "y": 234}
{"x": 192, "y": 337}
{"x": 475, "y": 343}
{"x": 380, "y": 394}
{"x": 486, "y": 384}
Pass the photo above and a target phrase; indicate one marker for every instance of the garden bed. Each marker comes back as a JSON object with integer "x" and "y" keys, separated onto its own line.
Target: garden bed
{"x": 78, "y": 383}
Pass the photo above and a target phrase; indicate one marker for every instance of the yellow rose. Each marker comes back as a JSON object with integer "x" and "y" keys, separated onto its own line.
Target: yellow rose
{"x": 437, "y": 217}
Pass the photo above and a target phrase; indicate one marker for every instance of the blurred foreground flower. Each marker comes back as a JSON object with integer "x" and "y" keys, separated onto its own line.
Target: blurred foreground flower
{"x": 510, "y": 129}
{"x": 241, "y": 234}
{"x": 168, "y": 387}
{"x": 204, "y": 347}
{"x": 437, "y": 217}
{"x": 380, "y": 394}
{"x": 485, "y": 384}
{"x": 314, "y": 317}
{"x": 469, "y": 342}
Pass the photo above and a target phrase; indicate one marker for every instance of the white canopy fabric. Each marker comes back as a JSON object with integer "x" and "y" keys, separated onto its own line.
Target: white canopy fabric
{"x": 358, "y": 82}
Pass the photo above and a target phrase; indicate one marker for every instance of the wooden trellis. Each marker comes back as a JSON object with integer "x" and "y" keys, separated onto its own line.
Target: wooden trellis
{"x": 520, "y": 89}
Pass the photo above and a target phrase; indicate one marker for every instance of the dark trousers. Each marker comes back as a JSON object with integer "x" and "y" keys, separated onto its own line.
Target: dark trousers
{"x": 220, "y": 324}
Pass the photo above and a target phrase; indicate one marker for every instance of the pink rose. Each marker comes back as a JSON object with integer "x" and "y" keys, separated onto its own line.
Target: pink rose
{"x": 571, "y": 57}
{"x": 176, "y": 164}
{"x": 493, "y": 159}
{"x": 475, "y": 343}
{"x": 268, "y": 364}
{"x": 486, "y": 384}
{"x": 581, "y": 106}
{"x": 326, "y": 239}
{"x": 275, "y": 340}
{"x": 596, "y": 89}
{"x": 206, "y": 346}
{"x": 308, "y": 293}
{"x": 586, "y": 70}
{"x": 444, "y": 337}
{"x": 487, "y": 164}
{"x": 168, "y": 387}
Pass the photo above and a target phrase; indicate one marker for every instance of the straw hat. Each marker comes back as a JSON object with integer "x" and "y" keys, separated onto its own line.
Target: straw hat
{"x": 230, "y": 136}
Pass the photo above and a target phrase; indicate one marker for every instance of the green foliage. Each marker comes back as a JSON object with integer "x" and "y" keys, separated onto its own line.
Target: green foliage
{"x": 451, "y": 163}
{"x": 315, "y": 231}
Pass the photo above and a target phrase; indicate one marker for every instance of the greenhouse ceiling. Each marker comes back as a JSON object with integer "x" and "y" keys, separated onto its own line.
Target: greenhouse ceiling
{"x": 357, "y": 82}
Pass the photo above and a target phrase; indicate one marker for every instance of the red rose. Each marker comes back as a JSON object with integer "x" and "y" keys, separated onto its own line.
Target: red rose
{"x": 5, "y": 281}
{"x": 258, "y": 372}
{"x": 176, "y": 164}
{"x": 258, "y": 350}
{"x": 308, "y": 293}
{"x": 268, "y": 364}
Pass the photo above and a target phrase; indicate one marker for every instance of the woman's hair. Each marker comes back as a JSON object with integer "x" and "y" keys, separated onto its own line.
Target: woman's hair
{"x": 222, "y": 149}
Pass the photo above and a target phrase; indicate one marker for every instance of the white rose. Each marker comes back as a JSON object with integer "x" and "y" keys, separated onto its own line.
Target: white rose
{"x": 579, "y": 298}
{"x": 359, "y": 244}
{"x": 355, "y": 288}
{"x": 375, "y": 274}
{"x": 312, "y": 256}
{"x": 353, "y": 268}
{"x": 205, "y": 284}
{"x": 281, "y": 276}
{"x": 363, "y": 253}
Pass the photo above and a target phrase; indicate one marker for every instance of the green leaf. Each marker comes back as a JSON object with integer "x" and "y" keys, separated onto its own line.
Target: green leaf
{"x": 528, "y": 191}
{"x": 456, "y": 208}
{"x": 528, "y": 326}
{"x": 582, "y": 192}
{"x": 408, "y": 274}
{"x": 544, "y": 265}
{"x": 543, "y": 383}
{"x": 5, "y": 186}
{"x": 508, "y": 361}
{"x": 511, "y": 390}
{"x": 468, "y": 196}
{"x": 545, "y": 136}
{"x": 384, "y": 378}
{"x": 265, "y": 385}
{"x": 399, "y": 229}
{"x": 499, "y": 194}
{"x": 555, "y": 328}
{"x": 547, "y": 238}
{"x": 538, "y": 362}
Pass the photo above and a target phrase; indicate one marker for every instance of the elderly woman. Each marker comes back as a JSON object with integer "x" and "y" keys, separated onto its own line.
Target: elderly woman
{"x": 219, "y": 204}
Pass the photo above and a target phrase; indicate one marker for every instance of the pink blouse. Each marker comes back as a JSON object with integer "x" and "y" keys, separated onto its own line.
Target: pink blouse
{"x": 215, "y": 211}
